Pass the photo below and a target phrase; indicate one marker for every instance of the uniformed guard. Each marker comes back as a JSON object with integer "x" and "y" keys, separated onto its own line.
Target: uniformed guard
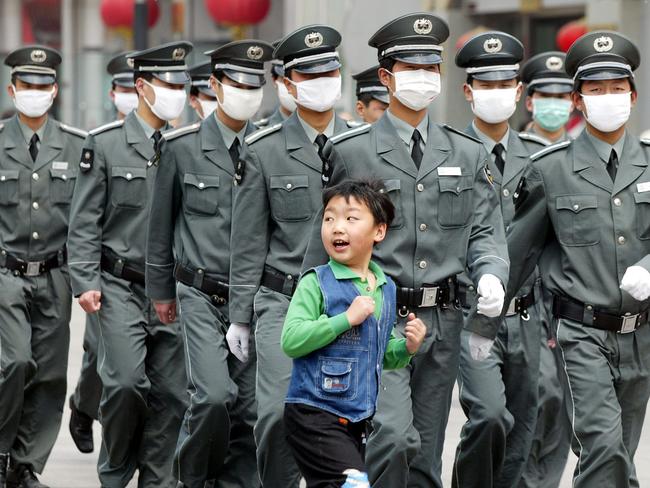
{"x": 141, "y": 359}
{"x": 447, "y": 218}
{"x": 202, "y": 98}
{"x": 122, "y": 91}
{"x": 582, "y": 215}
{"x": 283, "y": 169}
{"x": 548, "y": 90}
{"x": 190, "y": 219}
{"x": 286, "y": 103}
{"x": 372, "y": 96}
{"x": 498, "y": 377}
{"x": 37, "y": 177}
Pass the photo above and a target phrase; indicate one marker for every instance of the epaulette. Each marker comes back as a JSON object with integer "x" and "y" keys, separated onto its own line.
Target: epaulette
{"x": 353, "y": 124}
{"x": 549, "y": 149}
{"x": 460, "y": 133}
{"x": 73, "y": 130}
{"x": 343, "y": 136}
{"x": 533, "y": 138}
{"x": 643, "y": 140}
{"x": 168, "y": 135}
{"x": 105, "y": 127}
{"x": 257, "y": 135}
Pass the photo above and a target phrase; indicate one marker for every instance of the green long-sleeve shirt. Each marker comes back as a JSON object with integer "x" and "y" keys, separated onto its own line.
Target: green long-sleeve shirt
{"x": 307, "y": 328}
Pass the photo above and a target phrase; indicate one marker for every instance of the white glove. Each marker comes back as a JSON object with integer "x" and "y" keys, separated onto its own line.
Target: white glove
{"x": 237, "y": 338}
{"x": 490, "y": 301}
{"x": 636, "y": 281}
{"x": 479, "y": 347}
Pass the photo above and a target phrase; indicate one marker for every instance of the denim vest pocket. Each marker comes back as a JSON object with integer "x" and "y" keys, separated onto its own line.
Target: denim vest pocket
{"x": 337, "y": 378}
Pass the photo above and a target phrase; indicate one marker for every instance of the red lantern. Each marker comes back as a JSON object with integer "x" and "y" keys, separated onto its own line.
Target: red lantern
{"x": 238, "y": 12}
{"x": 119, "y": 13}
{"x": 569, "y": 33}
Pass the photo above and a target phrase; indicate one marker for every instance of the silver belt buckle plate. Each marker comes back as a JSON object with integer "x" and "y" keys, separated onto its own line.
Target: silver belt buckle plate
{"x": 33, "y": 268}
{"x": 629, "y": 324}
{"x": 429, "y": 297}
{"x": 512, "y": 308}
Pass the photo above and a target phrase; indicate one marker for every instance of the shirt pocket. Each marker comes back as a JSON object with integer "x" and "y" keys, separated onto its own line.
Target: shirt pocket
{"x": 577, "y": 218}
{"x": 338, "y": 378}
{"x": 128, "y": 187}
{"x": 201, "y": 194}
{"x": 642, "y": 211}
{"x": 455, "y": 201}
{"x": 9, "y": 187}
{"x": 393, "y": 188}
{"x": 62, "y": 183}
{"x": 290, "y": 198}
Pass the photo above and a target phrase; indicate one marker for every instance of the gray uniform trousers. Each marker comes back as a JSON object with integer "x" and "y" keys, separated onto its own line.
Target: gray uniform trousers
{"x": 144, "y": 395}
{"x": 88, "y": 391}
{"x": 608, "y": 389}
{"x": 34, "y": 340}
{"x": 216, "y": 436}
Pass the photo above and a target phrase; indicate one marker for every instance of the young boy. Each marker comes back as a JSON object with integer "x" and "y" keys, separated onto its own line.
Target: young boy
{"x": 339, "y": 332}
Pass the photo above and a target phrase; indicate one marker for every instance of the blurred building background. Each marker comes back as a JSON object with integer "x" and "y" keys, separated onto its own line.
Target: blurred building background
{"x": 89, "y": 32}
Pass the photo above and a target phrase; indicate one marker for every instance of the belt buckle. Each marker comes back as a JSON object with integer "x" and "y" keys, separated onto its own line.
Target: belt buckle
{"x": 512, "y": 307}
{"x": 629, "y": 323}
{"x": 33, "y": 268}
{"x": 430, "y": 296}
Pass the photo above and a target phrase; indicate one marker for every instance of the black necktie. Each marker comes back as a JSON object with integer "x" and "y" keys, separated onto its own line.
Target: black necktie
{"x": 157, "y": 140}
{"x": 416, "y": 151}
{"x": 234, "y": 152}
{"x": 612, "y": 165}
{"x": 33, "y": 147}
{"x": 326, "y": 172}
{"x": 498, "y": 150}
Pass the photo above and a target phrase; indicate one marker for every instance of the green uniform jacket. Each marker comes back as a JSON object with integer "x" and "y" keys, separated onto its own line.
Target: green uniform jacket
{"x": 191, "y": 207}
{"x": 273, "y": 209}
{"x": 110, "y": 207}
{"x": 35, "y": 196}
{"x": 447, "y": 213}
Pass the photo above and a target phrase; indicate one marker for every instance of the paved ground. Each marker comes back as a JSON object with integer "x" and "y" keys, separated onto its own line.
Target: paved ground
{"x": 67, "y": 468}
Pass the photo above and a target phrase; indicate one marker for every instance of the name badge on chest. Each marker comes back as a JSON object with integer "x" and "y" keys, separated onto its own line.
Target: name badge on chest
{"x": 449, "y": 171}
{"x": 643, "y": 187}
{"x": 60, "y": 165}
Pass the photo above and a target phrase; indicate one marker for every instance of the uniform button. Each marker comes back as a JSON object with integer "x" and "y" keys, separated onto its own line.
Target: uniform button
{"x": 506, "y": 192}
{"x": 422, "y": 264}
{"x": 201, "y": 185}
{"x": 35, "y": 205}
{"x": 589, "y": 307}
{"x": 35, "y": 235}
{"x": 35, "y": 176}
{"x": 470, "y": 288}
{"x": 129, "y": 176}
{"x": 617, "y": 202}
{"x": 423, "y": 227}
{"x": 199, "y": 271}
{"x": 289, "y": 277}
{"x": 3, "y": 252}
{"x": 289, "y": 186}
{"x": 3, "y": 177}
{"x": 621, "y": 239}
{"x": 64, "y": 177}
{"x": 576, "y": 207}
{"x": 420, "y": 187}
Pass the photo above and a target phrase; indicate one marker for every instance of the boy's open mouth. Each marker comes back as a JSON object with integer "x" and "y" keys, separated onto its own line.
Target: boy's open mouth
{"x": 340, "y": 244}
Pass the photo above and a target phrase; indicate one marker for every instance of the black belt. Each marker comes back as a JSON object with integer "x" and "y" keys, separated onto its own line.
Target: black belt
{"x": 279, "y": 281}
{"x": 520, "y": 305}
{"x": 438, "y": 294}
{"x": 20, "y": 267}
{"x": 217, "y": 290}
{"x": 121, "y": 268}
{"x": 591, "y": 317}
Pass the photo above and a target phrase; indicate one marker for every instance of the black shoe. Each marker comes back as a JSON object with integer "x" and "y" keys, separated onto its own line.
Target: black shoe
{"x": 4, "y": 467}
{"x": 81, "y": 429}
{"x": 25, "y": 478}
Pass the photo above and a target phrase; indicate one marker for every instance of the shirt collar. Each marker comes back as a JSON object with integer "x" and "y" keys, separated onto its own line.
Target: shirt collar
{"x": 313, "y": 133}
{"x": 228, "y": 134}
{"x": 28, "y": 133}
{"x": 405, "y": 130}
{"x": 603, "y": 149}
{"x": 488, "y": 142}
{"x": 148, "y": 130}
{"x": 342, "y": 272}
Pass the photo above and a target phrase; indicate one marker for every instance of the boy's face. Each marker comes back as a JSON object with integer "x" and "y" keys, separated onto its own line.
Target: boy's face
{"x": 349, "y": 231}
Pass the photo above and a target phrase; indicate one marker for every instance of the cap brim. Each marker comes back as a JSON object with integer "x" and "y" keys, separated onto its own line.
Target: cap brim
{"x": 380, "y": 97}
{"x": 206, "y": 90}
{"x": 418, "y": 58}
{"x": 125, "y": 83}
{"x": 249, "y": 79}
{"x": 277, "y": 70}
{"x": 173, "y": 77}
{"x": 36, "y": 79}
{"x": 552, "y": 88}
{"x": 317, "y": 67}
{"x": 604, "y": 74}
{"x": 495, "y": 75}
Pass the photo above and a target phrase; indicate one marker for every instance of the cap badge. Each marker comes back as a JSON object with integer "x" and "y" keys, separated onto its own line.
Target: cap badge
{"x": 255, "y": 53}
{"x": 130, "y": 63}
{"x": 554, "y": 63}
{"x": 603, "y": 44}
{"x": 38, "y": 56}
{"x": 422, "y": 26}
{"x": 492, "y": 45}
{"x": 178, "y": 54}
{"x": 314, "y": 39}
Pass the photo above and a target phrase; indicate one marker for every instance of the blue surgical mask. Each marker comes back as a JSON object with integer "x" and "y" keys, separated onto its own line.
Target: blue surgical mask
{"x": 551, "y": 113}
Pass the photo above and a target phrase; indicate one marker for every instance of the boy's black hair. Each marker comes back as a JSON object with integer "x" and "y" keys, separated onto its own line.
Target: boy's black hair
{"x": 369, "y": 192}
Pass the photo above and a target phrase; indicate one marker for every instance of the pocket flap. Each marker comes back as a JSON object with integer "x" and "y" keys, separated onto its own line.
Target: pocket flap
{"x": 9, "y": 175}
{"x": 455, "y": 184}
{"x": 62, "y": 174}
{"x": 336, "y": 367}
{"x": 642, "y": 197}
{"x": 201, "y": 181}
{"x": 391, "y": 185}
{"x": 128, "y": 173}
{"x": 289, "y": 183}
{"x": 576, "y": 203}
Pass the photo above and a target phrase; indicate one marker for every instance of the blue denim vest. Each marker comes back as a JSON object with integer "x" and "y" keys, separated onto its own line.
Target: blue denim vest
{"x": 343, "y": 377}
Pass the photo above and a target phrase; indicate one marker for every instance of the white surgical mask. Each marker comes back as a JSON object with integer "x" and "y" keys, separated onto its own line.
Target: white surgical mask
{"x": 416, "y": 89}
{"x": 207, "y": 107}
{"x": 608, "y": 112}
{"x": 125, "y": 102}
{"x": 169, "y": 103}
{"x": 239, "y": 103}
{"x": 318, "y": 94}
{"x": 33, "y": 103}
{"x": 495, "y": 105}
{"x": 286, "y": 100}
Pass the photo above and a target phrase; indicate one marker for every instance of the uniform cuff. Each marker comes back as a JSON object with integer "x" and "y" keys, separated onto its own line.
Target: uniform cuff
{"x": 339, "y": 323}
